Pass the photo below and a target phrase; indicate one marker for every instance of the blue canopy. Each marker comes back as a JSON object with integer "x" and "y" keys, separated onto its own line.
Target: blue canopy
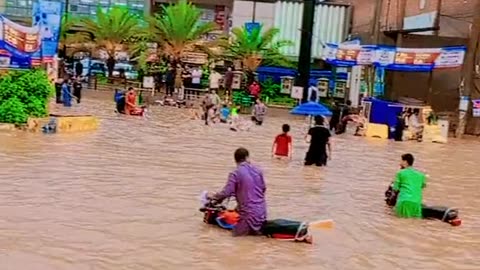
{"x": 311, "y": 108}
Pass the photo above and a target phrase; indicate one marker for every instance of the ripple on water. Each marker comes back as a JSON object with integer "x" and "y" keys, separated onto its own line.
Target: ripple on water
{"x": 126, "y": 197}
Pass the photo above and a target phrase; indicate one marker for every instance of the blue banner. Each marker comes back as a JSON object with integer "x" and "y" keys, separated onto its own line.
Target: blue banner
{"x": 393, "y": 58}
{"x": 47, "y": 16}
{"x": 251, "y": 25}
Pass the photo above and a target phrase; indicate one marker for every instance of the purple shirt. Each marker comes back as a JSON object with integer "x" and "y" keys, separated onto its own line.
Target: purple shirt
{"x": 246, "y": 183}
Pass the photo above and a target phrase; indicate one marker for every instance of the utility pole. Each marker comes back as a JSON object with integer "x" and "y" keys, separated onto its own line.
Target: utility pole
{"x": 370, "y": 71}
{"x": 400, "y": 22}
{"x": 436, "y": 32}
{"x": 468, "y": 80}
{"x": 305, "y": 56}
{"x": 376, "y": 21}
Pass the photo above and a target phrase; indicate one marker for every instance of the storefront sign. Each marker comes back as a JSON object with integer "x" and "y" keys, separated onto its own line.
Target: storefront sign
{"x": 463, "y": 104}
{"x": 450, "y": 57}
{"x": 476, "y": 107}
{"x": 195, "y": 58}
{"x": 401, "y": 59}
{"x": 297, "y": 92}
{"x": 419, "y": 59}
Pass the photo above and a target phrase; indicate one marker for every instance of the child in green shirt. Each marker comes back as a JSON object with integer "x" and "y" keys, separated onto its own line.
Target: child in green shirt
{"x": 409, "y": 183}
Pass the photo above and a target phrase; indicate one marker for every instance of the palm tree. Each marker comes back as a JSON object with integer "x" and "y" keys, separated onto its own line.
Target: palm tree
{"x": 70, "y": 37}
{"x": 254, "y": 48}
{"x": 111, "y": 31}
{"x": 178, "y": 30}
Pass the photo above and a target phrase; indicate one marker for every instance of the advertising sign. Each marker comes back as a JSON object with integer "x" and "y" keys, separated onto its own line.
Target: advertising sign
{"x": 476, "y": 107}
{"x": 47, "y": 16}
{"x": 17, "y": 43}
{"x": 417, "y": 59}
{"x": 392, "y": 58}
{"x": 22, "y": 46}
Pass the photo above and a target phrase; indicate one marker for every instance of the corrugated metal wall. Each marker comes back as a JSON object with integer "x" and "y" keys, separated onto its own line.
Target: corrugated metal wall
{"x": 329, "y": 27}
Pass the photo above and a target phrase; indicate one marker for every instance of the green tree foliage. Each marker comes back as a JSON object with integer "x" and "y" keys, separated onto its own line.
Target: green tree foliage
{"x": 256, "y": 47}
{"x": 178, "y": 30}
{"x": 112, "y": 31}
{"x": 24, "y": 94}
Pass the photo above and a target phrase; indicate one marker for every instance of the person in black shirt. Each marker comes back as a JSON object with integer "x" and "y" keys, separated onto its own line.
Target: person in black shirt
{"x": 170, "y": 80}
{"x": 77, "y": 89}
{"x": 79, "y": 69}
{"x": 319, "y": 138}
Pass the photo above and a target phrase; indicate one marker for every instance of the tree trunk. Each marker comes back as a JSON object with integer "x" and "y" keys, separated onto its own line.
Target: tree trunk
{"x": 469, "y": 69}
{"x": 110, "y": 66}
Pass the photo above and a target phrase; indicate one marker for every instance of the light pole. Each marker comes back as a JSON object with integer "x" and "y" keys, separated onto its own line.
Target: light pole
{"x": 304, "y": 58}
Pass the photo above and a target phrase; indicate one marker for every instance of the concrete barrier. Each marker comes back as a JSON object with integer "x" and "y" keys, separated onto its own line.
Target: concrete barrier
{"x": 7, "y": 127}
{"x": 63, "y": 124}
{"x": 376, "y": 131}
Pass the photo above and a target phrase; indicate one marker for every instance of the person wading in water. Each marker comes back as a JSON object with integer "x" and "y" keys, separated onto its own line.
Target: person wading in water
{"x": 247, "y": 184}
{"x": 319, "y": 139}
{"x": 410, "y": 183}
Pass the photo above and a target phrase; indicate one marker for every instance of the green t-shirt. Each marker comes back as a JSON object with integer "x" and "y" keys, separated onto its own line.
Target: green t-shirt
{"x": 410, "y": 183}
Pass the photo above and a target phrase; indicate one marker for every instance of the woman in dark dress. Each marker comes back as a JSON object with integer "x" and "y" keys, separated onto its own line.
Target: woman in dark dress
{"x": 319, "y": 138}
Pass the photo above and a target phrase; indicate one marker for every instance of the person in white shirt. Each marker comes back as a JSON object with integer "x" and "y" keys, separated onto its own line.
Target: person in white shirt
{"x": 215, "y": 80}
{"x": 196, "y": 77}
{"x": 414, "y": 125}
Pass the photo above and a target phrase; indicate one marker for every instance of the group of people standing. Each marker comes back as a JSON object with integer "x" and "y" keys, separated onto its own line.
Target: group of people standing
{"x": 178, "y": 77}
{"x": 408, "y": 120}
{"x": 67, "y": 89}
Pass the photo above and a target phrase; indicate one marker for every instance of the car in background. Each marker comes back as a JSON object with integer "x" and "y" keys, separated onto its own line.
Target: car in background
{"x": 94, "y": 67}
{"x": 127, "y": 69}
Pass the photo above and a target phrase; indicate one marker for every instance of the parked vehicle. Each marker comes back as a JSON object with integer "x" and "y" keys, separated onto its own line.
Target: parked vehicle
{"x": 127, "y": 69}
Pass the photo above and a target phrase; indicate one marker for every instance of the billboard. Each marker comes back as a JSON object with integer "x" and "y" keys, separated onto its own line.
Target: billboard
{"x": 23, "y": 47}
{"x": 393, "y": 58}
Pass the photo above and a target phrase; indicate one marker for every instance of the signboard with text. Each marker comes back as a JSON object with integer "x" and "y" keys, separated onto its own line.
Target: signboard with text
{"x": 393, "y": 58}
{"x": 476, "y": 107}
{"x": 22, "y": 46}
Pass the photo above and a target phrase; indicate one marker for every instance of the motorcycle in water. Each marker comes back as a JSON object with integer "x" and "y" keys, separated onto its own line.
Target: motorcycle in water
{"x": 445, "y": 214}
{"x": 217, "y": 214}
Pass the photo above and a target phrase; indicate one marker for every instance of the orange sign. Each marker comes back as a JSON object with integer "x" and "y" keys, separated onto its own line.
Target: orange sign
{"x": 347, "y": 54}
{"x": 416, "y": 56}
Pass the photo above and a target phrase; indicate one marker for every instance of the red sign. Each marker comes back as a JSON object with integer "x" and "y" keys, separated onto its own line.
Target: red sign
{"x": 416, "y": 56}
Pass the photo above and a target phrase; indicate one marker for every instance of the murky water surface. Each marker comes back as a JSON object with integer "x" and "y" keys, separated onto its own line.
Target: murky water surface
{"x": 126, "y": 197}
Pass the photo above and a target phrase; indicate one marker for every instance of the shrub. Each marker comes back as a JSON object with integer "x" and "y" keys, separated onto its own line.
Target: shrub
{"x": 24, "y": 94}
{"x": 13, "y": 111}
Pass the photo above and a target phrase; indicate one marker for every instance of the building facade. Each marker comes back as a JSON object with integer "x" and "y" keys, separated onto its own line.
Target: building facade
{"x": 331, "y": 22}
{"x": 440, "y": 88}
{"x": 21, "y": 10}
{"x": 455, "y": 16}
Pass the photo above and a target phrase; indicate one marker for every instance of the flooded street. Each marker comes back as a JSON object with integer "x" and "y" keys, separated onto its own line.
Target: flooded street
{"x": 127, "y": 197}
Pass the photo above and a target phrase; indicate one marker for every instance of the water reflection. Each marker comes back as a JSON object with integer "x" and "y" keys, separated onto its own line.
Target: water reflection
{"x": 125, "y": 197}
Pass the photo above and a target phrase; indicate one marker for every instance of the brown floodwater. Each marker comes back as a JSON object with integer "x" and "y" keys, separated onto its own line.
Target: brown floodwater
{"x": 127, "y": 197}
